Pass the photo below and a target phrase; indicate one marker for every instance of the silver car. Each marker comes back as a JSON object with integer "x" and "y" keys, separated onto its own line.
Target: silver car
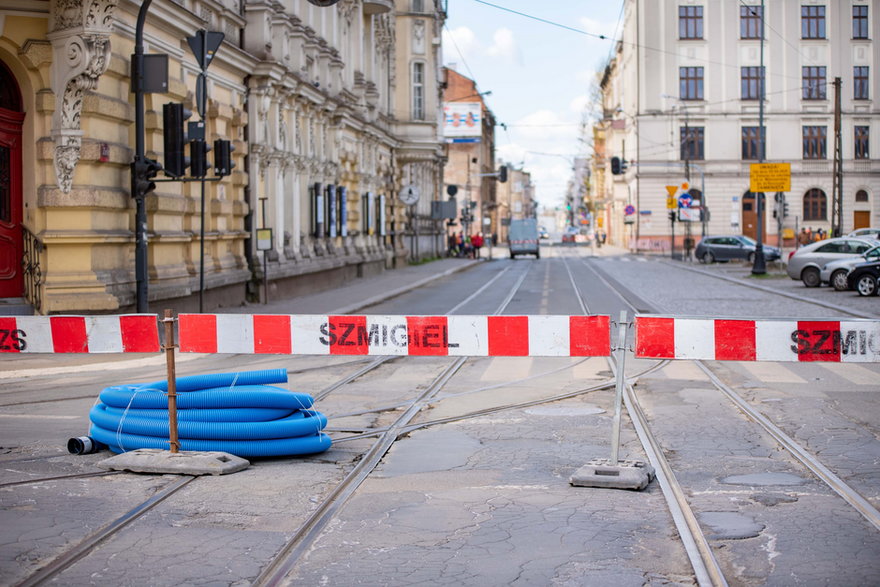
{"x": 806, "y": 263}
{"x": 835, "y": 272}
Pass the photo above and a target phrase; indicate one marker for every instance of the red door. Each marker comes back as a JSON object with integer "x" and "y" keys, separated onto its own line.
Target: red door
{"x": 11, "y": 240}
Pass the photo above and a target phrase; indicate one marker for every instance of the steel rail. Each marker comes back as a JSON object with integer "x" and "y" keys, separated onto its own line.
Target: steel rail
{"x": 288, "y": 557}
{"x": 58, "y": 478}
{"x": 706, "y": 568}
{"x": 85, "y": 546}
{"x": 850, "y": 495}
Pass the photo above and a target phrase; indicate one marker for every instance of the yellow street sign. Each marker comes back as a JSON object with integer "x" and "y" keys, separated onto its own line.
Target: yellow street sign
{"x": 770, "y": 177}
{"x": 670, "y": 203}
{"x": 671, "y": 189}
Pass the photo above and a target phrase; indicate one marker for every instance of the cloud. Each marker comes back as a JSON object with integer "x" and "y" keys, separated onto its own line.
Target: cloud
{"x": 504, "y": 46}
{"x": 459, "y": 43}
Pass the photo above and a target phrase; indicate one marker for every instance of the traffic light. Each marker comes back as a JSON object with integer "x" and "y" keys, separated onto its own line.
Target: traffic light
{"x": 176, "y": 162}
{"x": 142, "y": 175}
{"x": 502, "y": 173}
{"x": 198, "y": 153}
{"x": 672, "y": 215}
{"x": 785, "y": 209}
{"x": 223, "y": 162}
{"x": 618, "y": 165}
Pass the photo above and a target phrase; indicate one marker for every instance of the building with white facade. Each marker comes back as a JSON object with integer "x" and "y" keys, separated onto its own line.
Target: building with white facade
{"x": 681, "y": 105}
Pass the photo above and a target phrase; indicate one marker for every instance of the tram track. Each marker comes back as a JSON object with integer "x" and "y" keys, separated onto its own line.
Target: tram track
{"x": 285, "y": 560}
{"x": 706, "y": 567}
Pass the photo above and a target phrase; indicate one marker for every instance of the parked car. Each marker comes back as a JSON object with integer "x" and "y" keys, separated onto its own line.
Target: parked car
{"x": 570, "y": 233}
{"x": 864, "y": 278}
{"x": 866, "y": 233}
{"x": 806, "y": 262}
{"x": 728, "y": 248}
{"x": 835, "y": 272}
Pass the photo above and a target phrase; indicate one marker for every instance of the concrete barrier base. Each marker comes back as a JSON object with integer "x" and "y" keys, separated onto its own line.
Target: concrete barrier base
{"x": 150, "y": 460}
{"x": 621, "y": 475}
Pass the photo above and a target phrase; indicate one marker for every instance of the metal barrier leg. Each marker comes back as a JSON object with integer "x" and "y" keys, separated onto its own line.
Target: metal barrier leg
{"x": 613, "y": 473}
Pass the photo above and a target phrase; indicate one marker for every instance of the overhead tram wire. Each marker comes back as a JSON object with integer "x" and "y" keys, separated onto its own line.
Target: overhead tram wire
{"x": 607, "y": 38}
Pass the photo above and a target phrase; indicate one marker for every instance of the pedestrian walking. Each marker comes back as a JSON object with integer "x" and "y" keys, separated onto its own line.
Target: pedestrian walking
{"x": 477, "y": 242}
{"x": 803, "y": 237}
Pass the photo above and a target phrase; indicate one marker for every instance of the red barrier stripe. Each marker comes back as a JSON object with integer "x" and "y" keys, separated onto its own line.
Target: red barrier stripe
{"x": 590, "y": 336}
{"x": 272, "y": 334}
{"x": 427, "y": 335}
{"x": 69, "y": 334}
{"x": 198, "y": 333}
{"x": 735, "y": 340}
{"x": 508, "y": 336}
{"x": 11, "y": 342}
{"x": 140, "y": 334}
{"x": 348, "y": 335}
{"x": 818, "y": 341}
{"x": 655, "y": 337}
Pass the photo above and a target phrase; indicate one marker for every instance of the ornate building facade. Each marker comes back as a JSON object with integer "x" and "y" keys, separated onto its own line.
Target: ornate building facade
{"x": 681, "y": 103}
{"x": 315, "y": 100}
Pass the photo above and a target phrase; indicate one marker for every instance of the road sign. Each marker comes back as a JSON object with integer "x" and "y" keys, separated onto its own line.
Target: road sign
{"x": 770, "y": 177}
{"x": 671, "y": 189}
{"x": 630, "y": 209}
{"x": 685, "y": 201}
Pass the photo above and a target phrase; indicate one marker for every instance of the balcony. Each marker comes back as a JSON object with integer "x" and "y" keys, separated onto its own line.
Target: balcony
{"x": 372, "y": 7}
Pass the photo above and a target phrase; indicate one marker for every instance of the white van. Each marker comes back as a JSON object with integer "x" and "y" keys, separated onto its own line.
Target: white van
{"x": 523, "y": 238}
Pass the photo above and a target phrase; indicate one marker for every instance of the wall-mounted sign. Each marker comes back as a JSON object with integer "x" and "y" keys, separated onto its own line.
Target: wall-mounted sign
{"x": 462, "y": 121}
{"x": 264, "y": 239}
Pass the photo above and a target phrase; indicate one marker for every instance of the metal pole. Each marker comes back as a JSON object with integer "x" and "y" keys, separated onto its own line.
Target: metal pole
{"x": 837, "y": 182}
{"x": 173, "y": 441}
{"x": 760, "y": 267}
{"x": 620, "y": 353}
{"x": 140, "y": 219}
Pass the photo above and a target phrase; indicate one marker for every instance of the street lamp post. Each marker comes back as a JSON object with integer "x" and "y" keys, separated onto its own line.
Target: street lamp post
{"x": 759, "y": 267}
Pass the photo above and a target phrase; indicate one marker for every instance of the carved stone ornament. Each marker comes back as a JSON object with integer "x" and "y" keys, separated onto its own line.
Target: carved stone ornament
{"x": 80, "y": 40}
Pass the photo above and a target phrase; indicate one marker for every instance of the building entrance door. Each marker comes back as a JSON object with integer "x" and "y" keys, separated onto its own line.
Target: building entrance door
{"x": 861, "y": 219}
{"x": 749, "y": 215}
{"x": 11, "y": 238}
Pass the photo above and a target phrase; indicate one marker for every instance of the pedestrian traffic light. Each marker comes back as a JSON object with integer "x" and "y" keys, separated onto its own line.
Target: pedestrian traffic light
{"x": 502, "y": 173}
{"x": 173, "y": 116}
{"x": 142, "y": 175}
{"x": 223, "y": 162}
{"x": 198, "y": 153}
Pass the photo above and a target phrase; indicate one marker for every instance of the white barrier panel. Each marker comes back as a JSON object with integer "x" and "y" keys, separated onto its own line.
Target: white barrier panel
{"x": 537, "y": 336}
{"x": 133, "y": 333}
{"x": 666, "y": 337}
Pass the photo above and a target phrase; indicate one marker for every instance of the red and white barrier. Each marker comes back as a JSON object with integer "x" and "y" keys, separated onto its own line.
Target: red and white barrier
{"x": 542, "y": 336}
{"x": 134, "y": 333}
{"x": 663, "y": 337}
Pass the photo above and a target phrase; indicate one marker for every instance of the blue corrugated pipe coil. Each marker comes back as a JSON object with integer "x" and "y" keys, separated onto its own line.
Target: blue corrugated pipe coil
{"x": 238, "y": 413}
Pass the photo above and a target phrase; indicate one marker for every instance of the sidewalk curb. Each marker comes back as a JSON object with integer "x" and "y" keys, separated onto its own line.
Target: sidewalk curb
{"x": 402, "y": 290}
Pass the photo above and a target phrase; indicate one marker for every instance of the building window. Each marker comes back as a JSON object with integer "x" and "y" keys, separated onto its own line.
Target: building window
{"x": 861, "y": 142}
{"x": 692, "y": 143}
{"x": 812, "y": 22}
{"x": 418, "y": 91}
{"x": 815, "y": 205}
{"x": 860, "y": 82}
{"x": 750, "y": 82}
{"x": 418, "y": 5}
{"x": 750, "y": 22}
{"x": 860, "y": 22}
{"x": 814, "y": 82}
{"x": 815, "y": 139}
{"x": 690, "y": 22}
{"x": 751, "y": 142}
{"x": 861, "y": 196}
{"x": 690, "y": 83}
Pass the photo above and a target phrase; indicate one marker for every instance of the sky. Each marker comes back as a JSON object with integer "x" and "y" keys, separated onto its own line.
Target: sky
{"x": 540, "y": 76}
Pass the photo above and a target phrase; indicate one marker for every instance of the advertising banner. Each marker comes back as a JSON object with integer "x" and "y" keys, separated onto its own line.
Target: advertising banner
{"x": 462, "y": 122}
